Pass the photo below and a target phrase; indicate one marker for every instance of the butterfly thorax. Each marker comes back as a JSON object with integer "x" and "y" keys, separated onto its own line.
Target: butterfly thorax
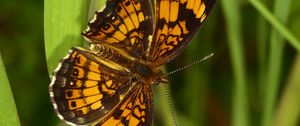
{"x": 138, "y": 68}
{"x": 147, "y": 74}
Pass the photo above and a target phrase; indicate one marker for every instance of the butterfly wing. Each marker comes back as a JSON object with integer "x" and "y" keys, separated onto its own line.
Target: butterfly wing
{"x": 177, "y": 21}
{"x": 85, "y": 87}
{"x": 124, "y": 24}
{"x": 135, "y": 110}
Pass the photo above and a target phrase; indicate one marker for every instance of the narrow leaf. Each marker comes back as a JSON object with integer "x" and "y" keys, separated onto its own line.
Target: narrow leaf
{"x": 292, "y": 39}
{"x": 8, "y": 111}
{"x": 288, "y": 112}
{"x": 239, "y": 97}
{"x": 64, "y": 20}
{"x": 281, "y": 11}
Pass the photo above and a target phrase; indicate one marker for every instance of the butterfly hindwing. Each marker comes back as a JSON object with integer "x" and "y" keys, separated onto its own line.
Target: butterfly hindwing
{"x": 124, "y": 24}
{"x": 84, "y": 90}
{"x": 136, "y": 109}
{"x": 176, "y": 23}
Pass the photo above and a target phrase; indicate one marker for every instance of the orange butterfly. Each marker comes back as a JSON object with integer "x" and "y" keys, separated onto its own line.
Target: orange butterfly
{"x": 109, "y": 83}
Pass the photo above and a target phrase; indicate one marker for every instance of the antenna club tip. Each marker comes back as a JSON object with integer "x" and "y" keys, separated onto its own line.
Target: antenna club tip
{"x": 191, "y": 64}
{"x": 208, "y": 56}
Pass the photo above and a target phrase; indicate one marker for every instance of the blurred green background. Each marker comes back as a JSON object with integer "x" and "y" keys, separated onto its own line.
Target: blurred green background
{"x": 252, "y": 80}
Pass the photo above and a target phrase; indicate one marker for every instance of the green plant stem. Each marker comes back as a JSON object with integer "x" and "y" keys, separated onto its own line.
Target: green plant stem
{"x": 262, "y": 43}
{"x": 8, "y": 111}
{"x": 239, "y": 96}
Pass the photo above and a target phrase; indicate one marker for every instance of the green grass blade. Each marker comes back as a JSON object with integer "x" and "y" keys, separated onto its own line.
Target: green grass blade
{"x": 262, "y": 43}
{"x": 233, "y": 22}
{"x": 8, "y": 111}
{"x": 292, "y": 39}
{"x": 275, "y": 63}
{"x": 288, "y": 112}
{"x": 94, "y": 6}
{"x": 64, "y": 20}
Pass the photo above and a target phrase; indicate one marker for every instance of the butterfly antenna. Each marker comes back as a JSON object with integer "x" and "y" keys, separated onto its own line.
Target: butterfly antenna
{"x": 170, "y": 104}
{"x": 191, "y": 64}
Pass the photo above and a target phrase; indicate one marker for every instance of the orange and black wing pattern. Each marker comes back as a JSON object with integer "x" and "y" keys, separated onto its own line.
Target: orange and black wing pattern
{"x": 136, "y": 109}
{"x": 84, "y": 89}
{"x": 124, "y": 24}
{"x": 177, "y": 21}
{"x": 109, "y": 83}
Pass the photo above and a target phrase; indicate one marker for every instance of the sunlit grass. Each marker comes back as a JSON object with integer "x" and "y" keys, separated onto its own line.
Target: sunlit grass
{"x": 8, "y": 112}
{"x": 63, "y": 23}
{"x": 287, "y": 112}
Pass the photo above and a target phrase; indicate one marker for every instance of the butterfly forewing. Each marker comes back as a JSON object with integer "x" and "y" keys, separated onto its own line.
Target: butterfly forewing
{"x": 176, "y": 23}
{"x": 124, "y": 24}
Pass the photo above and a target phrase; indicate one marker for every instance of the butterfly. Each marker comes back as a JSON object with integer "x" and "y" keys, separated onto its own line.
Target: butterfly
{"x": 109, "y": 83}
